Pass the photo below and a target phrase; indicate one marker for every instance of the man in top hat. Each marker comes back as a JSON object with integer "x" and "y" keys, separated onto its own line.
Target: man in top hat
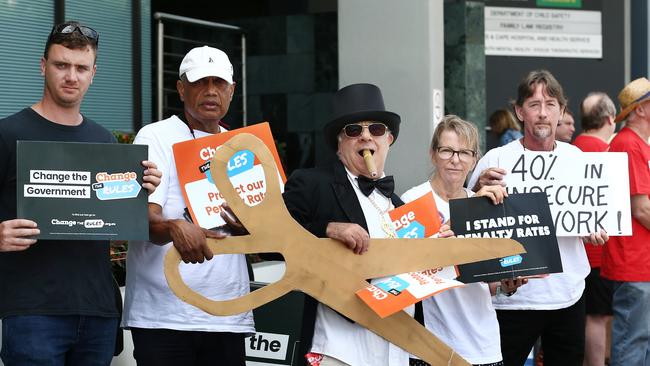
{"x": 166, "y": 330}
{"x": 346, "y": 201}
{"x": 626, "y": 260}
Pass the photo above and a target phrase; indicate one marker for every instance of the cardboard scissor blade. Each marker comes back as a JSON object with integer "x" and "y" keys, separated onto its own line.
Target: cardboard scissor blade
{"x": 387, "y": 257}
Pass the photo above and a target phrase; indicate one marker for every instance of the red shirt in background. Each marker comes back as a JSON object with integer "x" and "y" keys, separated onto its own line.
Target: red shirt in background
{"x": 627, "y": 258}
{"x": 588, "y": 143}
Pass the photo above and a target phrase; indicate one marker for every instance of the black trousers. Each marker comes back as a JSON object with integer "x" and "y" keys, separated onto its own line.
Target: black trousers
{"x": 562, "y": 332}
{"x": 165, "y": 347}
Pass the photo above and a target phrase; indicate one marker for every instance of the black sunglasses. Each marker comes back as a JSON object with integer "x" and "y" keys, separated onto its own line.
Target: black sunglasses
{"x": 71, "y": 28}
{"x": 355, "y": 129}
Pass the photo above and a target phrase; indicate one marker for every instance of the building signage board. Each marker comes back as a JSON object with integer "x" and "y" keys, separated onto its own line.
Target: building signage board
{"x": 536, "y": 32}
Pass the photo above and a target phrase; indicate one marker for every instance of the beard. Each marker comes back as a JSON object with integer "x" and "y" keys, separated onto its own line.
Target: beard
{"x": 542, "y": 132}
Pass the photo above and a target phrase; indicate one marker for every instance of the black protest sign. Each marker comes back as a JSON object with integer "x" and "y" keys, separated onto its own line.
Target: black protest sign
{"x": 587, "y": 192}
{"x": 525, "y": 218}
{"x": 83, "y": 191}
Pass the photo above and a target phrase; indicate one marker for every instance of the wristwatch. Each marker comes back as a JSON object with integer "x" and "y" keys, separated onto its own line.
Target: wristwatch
{"x": 499, "y": 291}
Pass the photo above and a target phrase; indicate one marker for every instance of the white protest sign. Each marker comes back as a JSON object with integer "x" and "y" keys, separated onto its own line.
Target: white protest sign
{"x": 586, "y": 192}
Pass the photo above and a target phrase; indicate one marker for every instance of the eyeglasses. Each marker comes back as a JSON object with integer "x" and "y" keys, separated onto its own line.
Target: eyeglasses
{"x": 71, "y": 28}
{"x": 446, "y": 153}
{"x": 355, "y": 129}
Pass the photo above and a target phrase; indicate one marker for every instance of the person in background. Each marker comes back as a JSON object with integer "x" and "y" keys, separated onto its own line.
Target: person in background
{"x": 504, "y": 125}
{"x": 626, "y": 259}
{"x": 566, "y": 127}
{"x": 463, "y": 318}
{"x": 58, "y": 299}
{"x": 597, "y": 121}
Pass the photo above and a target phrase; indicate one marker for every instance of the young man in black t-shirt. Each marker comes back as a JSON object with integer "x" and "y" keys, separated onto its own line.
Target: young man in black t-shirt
{"x": 58, "y": 300}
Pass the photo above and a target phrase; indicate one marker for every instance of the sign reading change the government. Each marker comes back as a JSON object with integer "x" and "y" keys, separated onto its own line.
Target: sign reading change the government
{"x": 587, "y": 192}
{"x": 82, "y": 191}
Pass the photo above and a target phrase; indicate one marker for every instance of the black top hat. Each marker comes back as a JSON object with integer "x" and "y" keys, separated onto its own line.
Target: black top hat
{"x": 355, "y": 103}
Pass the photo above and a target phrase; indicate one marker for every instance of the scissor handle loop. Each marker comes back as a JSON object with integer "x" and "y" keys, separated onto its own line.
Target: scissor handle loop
{"x": 238, "y": 305}
{"x": 272, "y": 207}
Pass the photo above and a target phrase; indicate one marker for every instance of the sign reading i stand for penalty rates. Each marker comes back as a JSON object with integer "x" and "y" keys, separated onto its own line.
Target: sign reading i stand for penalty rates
{"x": 82, "y": 191}
{"x": 523, "y": 217}
{"x": 587, "y": 192}
{"x": 245, "y": 171}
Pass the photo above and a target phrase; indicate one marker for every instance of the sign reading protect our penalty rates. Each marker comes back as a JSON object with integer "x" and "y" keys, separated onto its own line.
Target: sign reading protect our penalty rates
{"x": 82, "y": 191}
{"x": 587, "y": 192}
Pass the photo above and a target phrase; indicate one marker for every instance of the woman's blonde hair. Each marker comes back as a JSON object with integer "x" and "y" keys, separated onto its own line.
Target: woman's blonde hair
{"x": 465, "y": 130}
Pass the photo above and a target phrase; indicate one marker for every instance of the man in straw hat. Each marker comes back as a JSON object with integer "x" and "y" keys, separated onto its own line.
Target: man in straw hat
{"x": 627, "y": 258}
{"x": 346, "y": 201}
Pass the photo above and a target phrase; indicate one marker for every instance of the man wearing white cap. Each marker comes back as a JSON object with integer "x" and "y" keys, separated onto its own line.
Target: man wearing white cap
{"x": 166, "y": 330}
{"x": 626, "y": 260}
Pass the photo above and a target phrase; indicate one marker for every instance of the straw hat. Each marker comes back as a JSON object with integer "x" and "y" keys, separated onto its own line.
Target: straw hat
{"x": 632, "y": 95}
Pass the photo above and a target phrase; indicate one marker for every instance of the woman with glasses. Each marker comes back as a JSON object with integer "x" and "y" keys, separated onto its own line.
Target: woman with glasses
{"x": 463, "y": 318}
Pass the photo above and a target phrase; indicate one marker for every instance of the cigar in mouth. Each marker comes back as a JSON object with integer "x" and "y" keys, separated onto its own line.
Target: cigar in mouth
{"x": 370, "y": 163}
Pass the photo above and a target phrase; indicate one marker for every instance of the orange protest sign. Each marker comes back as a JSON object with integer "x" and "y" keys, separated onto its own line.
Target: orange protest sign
{"x": 388, "y": 295}
{"x": 245, "y": 171}
{"x": 416, "y": 219}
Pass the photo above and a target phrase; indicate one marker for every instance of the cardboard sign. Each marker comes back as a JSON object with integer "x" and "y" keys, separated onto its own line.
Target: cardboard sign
{"x": 587, "y": 192}
{"x": 416, "y": 219}
{"x": 523, "y": 217}
{"x": 202, "y": 197}
{"x": 82, "y": 191}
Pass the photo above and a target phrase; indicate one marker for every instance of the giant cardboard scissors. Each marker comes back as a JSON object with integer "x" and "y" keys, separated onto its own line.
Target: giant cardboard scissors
{"x": 324, "y": 268}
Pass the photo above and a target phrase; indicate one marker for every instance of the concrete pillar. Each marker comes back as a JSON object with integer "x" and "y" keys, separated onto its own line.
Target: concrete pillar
{"x": 397, "y": 45}
{"x": 465, "y": 63}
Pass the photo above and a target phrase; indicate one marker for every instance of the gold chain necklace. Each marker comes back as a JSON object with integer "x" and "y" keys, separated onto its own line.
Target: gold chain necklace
{"x": 386, "y": 227}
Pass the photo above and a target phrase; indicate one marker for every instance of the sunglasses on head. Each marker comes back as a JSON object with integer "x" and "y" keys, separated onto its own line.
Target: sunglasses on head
{"x": 71, "y": 28}
{"x": 355, "y": 129}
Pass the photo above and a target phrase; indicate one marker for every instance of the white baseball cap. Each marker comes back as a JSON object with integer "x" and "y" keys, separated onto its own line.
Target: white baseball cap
{"x": 206, "y": 61}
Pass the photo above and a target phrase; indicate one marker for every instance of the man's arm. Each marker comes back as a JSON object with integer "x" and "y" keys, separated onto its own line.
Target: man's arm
{"x": 641, "y": 209}
{"x": 188, "y": 238}
{"x": 15, "y": 234}
{"x": 490, "y": 177}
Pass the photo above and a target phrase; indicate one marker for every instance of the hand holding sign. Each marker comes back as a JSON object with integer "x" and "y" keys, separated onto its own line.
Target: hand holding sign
{"x": 16, "y": 234}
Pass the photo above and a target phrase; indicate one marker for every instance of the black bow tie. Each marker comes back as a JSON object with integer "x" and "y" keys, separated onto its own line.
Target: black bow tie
{"x": 385, "y": 185}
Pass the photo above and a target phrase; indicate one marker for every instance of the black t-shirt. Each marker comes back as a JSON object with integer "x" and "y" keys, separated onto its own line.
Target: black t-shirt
{"x": 52, "y": 277}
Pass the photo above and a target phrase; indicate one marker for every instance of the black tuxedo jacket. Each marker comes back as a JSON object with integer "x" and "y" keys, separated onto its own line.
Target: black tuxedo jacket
{"x": 318, "y": 196}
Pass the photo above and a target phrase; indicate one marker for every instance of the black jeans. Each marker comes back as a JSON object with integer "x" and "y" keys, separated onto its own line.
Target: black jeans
{"x": 562, "y": 332}
{"x": 165, "y": 347}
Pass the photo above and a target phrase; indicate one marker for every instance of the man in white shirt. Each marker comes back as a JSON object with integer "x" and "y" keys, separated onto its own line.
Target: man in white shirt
{"x": 551, "y": 307}
{"x": 166, "y": 330}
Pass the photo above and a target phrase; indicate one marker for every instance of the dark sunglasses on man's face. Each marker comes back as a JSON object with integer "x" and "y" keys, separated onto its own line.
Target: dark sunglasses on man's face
{"x": 355, "y": 129}
{"x": 70, "y": 28}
